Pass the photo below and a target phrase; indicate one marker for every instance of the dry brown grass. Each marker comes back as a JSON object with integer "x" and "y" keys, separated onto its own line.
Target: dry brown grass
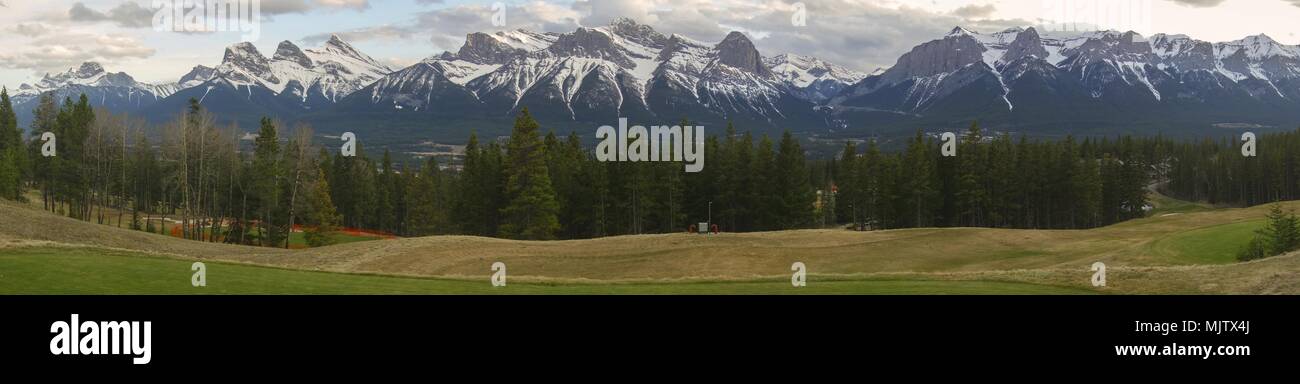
{"x": 1046, "y": 257}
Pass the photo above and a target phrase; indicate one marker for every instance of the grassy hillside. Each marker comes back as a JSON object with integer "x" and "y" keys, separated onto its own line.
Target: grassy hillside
{"x": 79, "y": 271}
{"x": 1184, "y": 250}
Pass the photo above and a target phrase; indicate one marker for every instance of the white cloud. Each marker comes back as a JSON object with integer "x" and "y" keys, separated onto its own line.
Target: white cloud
{"x": 32, "y": 29}
{"x": 861, "y": 34}
{"x": 58, "y": 52}
{"x": 445, "y": 28}
{"x": 276, "y": 7}
{"x": 127, "y": 15}
{"x": 1201, "y": 3}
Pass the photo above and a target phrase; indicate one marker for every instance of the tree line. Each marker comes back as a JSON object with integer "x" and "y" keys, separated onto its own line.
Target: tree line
{"x": 992, "y": 181}
{"x": 1216, "y": 171}
{"x": 540, "y": 185}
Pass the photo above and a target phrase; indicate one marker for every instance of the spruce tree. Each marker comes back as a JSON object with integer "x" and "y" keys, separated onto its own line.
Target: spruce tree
{"x": 845, "y": 185}
{"x": 918, "y": 180}
{"x": 266, "y": 182}
{"x": 531, "y": 213}
{"x": 769, "y": 202}
{"x": 427, "y": 201}
{"x": 1282, "y": 234}
{"x": 971, "y": 173}
{"x": 470, "y": 204}
{"x": 384, "y": 195}
{"x": 324, "y": 220}
{"x": 795, "y": 191}
{"x": 11, "y": 150}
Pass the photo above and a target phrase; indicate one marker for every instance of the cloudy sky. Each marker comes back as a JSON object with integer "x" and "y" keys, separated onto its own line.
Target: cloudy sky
{"x": 40, "y": 36}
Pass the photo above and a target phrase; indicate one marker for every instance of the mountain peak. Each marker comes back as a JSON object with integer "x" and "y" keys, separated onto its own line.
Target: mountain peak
{"x": 289, "y": 52}
{"x": 337, "y": 45}
{"x": 625, "y": 22}
{"x": 1027, "y": 43}
{"x": 1169, "y": 37}
{"x": 738, "y": 51}
{"x": 591, "y": 43}
{"x": 1258, "y": 47}
{"x": 483, "y": 48}
{"x": 959, "y": 31}
{"x": 244, "y": 56}
{"x": 736, "y": 36}
{"x": 640, "y": 33}
{"x": 196, "y": 76}
{"x": 1259, "y": 39}
{"x": 88, "y": 69}
{"x": 243, "y": 51}
{"x": 88, "y": 77}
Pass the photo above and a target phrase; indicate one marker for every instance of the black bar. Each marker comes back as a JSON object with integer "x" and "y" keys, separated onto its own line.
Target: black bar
{"x": 282, "y": 332}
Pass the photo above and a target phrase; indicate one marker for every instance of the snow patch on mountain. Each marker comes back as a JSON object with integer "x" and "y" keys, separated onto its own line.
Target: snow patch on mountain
{"x": 623, "y": 62}
{"x": 91, "y": 75}
{"x": 331, "y": 72}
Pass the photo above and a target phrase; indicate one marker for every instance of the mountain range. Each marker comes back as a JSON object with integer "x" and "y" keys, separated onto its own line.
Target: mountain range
{"x": 1093, "y": 82}
{"x": 1016, "y": 80}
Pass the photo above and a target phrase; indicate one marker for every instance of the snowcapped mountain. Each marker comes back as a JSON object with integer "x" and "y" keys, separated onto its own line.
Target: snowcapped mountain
{"x": 313, "y": 76}
{"x": 1022, "y": 79}
{"x": 1019, "y": 79}
{"x": 599, "y": 74}
{"x": 113, "y": 90}
{"x": 819, "y": 80}
{"x": 293, "y": 81}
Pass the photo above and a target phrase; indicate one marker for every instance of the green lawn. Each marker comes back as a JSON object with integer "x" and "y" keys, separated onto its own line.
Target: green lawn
{"x": 94, "y": 271}
{"x": 299, "y": 240}
{"x": 1165, "y": 205}
{"x": 1217, "y": 244}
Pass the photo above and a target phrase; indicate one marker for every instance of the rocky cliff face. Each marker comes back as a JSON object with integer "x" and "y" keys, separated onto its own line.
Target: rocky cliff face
{"x": 737, "y": 51}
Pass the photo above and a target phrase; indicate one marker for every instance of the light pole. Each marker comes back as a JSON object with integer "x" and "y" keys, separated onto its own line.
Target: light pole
{"x": 710, "y": 214}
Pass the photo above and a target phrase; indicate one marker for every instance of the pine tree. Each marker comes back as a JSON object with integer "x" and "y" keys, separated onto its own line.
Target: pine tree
{"x": 385, "y": 197}
{"x": 43, "y": 168}
{"x": 747, "y": 198}
{"x": 364, "y": 189}
{"x": 845, "y": 185}
{"x": 12, "y": 153}
{"x": 266, "y": 182}
{"x": 1000, "y": 181}
{"x": 1088, "y": 186}
{"x": 732, "y": 182}
{"x": 1282, "y": 234}
{"x": 532, "y": 209}
{"x": 769, "y": 202}
{"x": 324, "y": 220}
{"x": 971, "y": 170}
{"x": 918, "y": 180}
{"x": 794, "y": 189}
{"x": 471, "y": 204}
{"x": 428, "y": 202}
